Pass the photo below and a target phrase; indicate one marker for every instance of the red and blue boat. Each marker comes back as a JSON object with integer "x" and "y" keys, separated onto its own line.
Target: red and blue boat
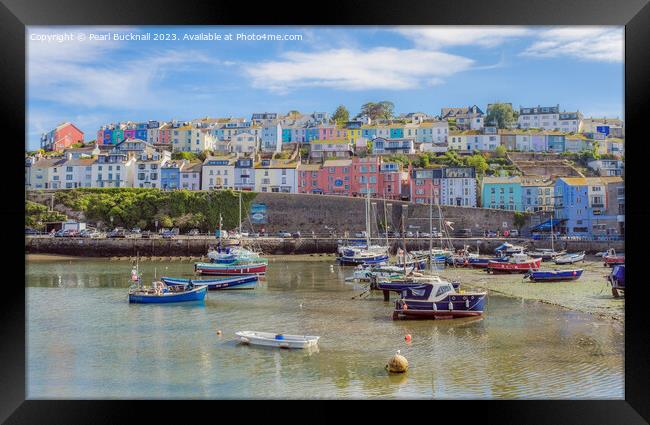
{"x": 611, "y": 259}
{"x": 554, "y": 275}
{"x": 230, "y": 269}
{"x": 218, "y": 283}
{"x": 438, "y": 301}
{"x": 617, "y": 279}
{"x": 518, "y": 263}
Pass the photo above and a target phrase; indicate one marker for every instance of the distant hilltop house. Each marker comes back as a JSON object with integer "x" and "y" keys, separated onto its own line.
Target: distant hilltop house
{"x": 550, "y": 118}
{"x": 467, "y": 118}
{"x": 62, "y": 137}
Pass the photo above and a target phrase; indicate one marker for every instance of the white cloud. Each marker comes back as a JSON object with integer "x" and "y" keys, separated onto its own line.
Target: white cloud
{"x": 95, "y": 74}
{"x": 603, "y": 44}
{"x": 352, "y": 69}
{"x": 442, "y": 36}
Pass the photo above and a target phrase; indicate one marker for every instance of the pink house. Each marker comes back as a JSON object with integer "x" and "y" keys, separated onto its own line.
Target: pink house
{"x": 336, "y": 177}
{"x": 308, "y": 178}
{"x": 61, "y": 137}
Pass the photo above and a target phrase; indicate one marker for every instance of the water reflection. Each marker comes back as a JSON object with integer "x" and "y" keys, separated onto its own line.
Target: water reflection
{"x": 86, "y": 341}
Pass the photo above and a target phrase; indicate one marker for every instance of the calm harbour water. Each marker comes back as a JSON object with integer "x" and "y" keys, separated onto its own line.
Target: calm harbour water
{"x": 84, "y": 340}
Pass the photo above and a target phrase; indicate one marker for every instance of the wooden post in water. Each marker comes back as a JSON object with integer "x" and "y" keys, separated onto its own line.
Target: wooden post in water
{"x": 386, "y": 295}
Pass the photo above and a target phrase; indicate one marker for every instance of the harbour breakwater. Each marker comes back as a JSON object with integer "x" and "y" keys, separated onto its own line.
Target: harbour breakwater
{"x": 198, "y": 246}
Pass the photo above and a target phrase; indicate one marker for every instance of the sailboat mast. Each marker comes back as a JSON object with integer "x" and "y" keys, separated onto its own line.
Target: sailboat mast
{"x": 431, "y": 232}
{"x": 385, "y": 223}
{"x": 240, "y": 213}
{"x": 368, "y": 215}
{"x": 404, "y": 234}
{"x": 552, "y": 249}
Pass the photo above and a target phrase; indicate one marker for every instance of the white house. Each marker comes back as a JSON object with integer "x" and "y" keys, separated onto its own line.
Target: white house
{"x": 113, "y": 170}
{"x": 190, "y": 174}
{"x": 607, "y": 167}
{"x": 276, "y": 176}
{"x": 218, "y": 173}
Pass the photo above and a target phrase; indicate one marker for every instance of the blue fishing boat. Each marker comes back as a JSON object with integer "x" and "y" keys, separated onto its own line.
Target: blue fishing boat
{"x": 355, "y": 257}
{"x": 617, "y": 279}
{"x": 438, "y": 301}
{"x": 218, "y": 283}
{"x": 398, "y": 284}
{"x": 482, "y": 262}
{"x": 553, "y": 275}
{"x": 508, "y": 249}
{"x": 159, "y": 293}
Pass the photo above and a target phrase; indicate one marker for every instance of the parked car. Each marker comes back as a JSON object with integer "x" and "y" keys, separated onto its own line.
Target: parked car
{"x": 464, "y": 233}
{"x": 254, "y": 235}
{"x": 89, "y": 233}
{"x": 424, "y": 235}
{"x": 410, "y": 234}
{"x": 360, "y": 234}
{"x": 193, "y": 232}
{"x": 135, "y": 230}
{"x": 58, "y": 233}
{"x": 491, "y": 234}
{"x": 30, "y": 231}
{"x": 514, "y": 233}
{"x": 396, "y": 234}
{"x": 70, "y": 233}
{"x": 118, "y": 232}
{"x": 168, "y": 234}
{"x": 147, "y": 234}
{"x": 283, "y": 234}
{"x": 295, "y": 235}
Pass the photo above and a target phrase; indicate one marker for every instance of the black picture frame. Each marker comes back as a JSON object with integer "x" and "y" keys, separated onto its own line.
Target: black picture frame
{"x": 15, "y": 15}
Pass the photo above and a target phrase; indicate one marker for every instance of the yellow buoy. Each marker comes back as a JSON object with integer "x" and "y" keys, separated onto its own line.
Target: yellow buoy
{"x": 397, "y": 364}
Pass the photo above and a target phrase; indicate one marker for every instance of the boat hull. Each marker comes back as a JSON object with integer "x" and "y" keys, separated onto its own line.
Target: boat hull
{"x": 456, "y": 306}
{"x": 223, "y": 283}
{"x": 614, "y": 261}
{"x": 197, "y": 294}
{"x": 228, "y": 270}
{"x": 267, "y": 339}
{"x": 357, "y": 261}
{"x": 555, "y": 276}
{"x": 505, "y": 267}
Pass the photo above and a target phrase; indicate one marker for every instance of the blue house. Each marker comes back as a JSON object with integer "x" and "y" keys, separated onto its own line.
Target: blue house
{"x": 170, "y": 175}
{"x": 502, "y": 193}
{"x": 585, "y": 206}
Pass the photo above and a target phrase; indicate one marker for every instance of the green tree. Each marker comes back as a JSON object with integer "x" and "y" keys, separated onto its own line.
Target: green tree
{"x": 189, "y": 156}
{"x": 500, "y": 151}
{"x": 376, "y": 110}
{"x": 500, "y": 114}
{"x": 341, "y": 115}
{"x": 424, "y": 161}
{"x": 202, "y": 155}
{"x": 519, "y": 219}
{"x": 478, "y": 162}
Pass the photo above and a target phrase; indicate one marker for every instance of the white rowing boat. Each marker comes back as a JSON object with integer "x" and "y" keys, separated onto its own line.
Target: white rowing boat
{"x": 269, "y": 339}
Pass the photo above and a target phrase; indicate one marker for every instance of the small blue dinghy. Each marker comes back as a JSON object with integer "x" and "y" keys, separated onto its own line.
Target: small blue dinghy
{"x": 554, "y": 275}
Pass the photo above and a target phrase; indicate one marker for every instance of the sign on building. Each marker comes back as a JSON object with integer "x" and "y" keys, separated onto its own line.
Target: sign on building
{"x": 258, "y": 214}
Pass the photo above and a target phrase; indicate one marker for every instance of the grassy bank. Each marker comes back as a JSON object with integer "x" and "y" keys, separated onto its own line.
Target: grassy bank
{"x": 589, "y": 294}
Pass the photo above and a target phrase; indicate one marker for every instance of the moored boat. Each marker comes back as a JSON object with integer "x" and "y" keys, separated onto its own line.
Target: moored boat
{"x": 617, "y": 280}
{"x": 270, "y": 339}
{"x": 229, "y": 269}
{"x": 545, "y": 254}
{"x": 220, "y": 283}
{"x": 570, "y": 258}
{"x": 509, "y": 249}
{"x": 554, "y": 275}
{"x": 518, "y": 263}
{"x": 397, "y": 284}
{"x": 438, "y": 301}
{"x": 355, "y": 257}
{"x": 611, "y": 259}
{"x": 482, "y": 262}
{"x": 159, "y": 293}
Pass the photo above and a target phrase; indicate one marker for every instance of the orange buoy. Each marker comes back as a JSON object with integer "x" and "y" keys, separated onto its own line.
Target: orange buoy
{"x": 404, "y": 306}
{"x": 407, "y": 338}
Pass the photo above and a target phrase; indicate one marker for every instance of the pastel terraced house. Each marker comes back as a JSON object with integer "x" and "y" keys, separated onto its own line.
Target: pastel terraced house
{"x": 276, "y": 176}
{"x": 61, "y": 137}
{"x": 502, "y": 193}
{"x": 218, "y": 173}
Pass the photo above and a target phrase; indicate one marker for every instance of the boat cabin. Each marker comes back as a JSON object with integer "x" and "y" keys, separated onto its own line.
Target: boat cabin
{"x": 427, "y": 291}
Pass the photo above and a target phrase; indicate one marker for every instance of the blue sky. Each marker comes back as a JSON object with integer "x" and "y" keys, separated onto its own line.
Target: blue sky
{"x": 93, "y": 82}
